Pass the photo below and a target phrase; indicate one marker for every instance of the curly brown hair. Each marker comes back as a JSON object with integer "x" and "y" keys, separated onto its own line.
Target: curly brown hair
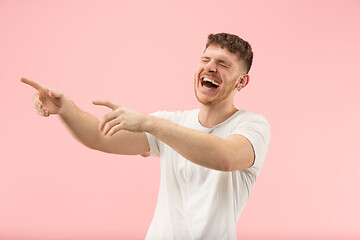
{"x": 234, "y": 44}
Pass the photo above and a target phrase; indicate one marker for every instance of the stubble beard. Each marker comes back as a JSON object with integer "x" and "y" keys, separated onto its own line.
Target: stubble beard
{"x": 225, "y": 94}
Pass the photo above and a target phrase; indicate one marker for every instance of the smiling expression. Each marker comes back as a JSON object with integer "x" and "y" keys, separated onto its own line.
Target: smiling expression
{"x": 217, "y": 75}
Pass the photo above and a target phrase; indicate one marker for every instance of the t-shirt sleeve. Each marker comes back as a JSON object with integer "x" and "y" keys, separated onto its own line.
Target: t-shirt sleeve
{"x": 154, "y": 145}
{"x": 257, "y": 130}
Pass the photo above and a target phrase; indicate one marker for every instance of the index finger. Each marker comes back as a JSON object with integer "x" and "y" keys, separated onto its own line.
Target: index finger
{"x": 32, "y": 83}
{"x": 106, "y": 103}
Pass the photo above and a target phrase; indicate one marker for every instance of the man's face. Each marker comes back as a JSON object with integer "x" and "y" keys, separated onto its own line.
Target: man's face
{"x": 217, "y": 75}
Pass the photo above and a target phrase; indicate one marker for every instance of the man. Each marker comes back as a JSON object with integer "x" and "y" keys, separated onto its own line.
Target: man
{"x": 210, "y": 157}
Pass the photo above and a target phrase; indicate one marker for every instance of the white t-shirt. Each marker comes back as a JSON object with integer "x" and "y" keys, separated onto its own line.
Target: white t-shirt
{"x": 195, "y": 202}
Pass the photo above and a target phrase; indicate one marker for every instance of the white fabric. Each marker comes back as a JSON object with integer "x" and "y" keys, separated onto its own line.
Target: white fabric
{"x": 195, "y": 202}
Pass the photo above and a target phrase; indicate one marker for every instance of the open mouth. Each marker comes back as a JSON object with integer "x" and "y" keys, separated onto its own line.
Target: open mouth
{"x": 209, "y": 83}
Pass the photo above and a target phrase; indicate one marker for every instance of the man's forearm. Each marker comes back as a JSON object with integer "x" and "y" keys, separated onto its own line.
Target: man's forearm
{"x": 83, "y": 126}
{"x": 198, "y": 147}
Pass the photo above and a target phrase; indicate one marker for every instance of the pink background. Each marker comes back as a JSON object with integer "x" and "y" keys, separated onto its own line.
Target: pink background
{"x": 143, "y": 54}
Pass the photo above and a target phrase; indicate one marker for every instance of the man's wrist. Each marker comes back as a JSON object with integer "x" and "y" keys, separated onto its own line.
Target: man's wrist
{"x": 149, "y": 124}
{"x": 67, "y": 106}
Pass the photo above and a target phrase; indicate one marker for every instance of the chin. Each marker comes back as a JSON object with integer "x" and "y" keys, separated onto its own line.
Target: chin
{"x": 206, "y": 102}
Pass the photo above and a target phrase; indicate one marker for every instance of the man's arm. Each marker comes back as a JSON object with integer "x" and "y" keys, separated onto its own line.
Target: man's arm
{"x": 84, "y": 126}
{"x": 232, "y": 153}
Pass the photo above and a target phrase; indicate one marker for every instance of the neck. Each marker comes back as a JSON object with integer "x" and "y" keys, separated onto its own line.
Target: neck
{"x": 210, "y": 116}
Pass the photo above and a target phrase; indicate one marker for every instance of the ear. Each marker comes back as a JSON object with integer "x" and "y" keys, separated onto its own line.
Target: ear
{"x": 243, "y": 81}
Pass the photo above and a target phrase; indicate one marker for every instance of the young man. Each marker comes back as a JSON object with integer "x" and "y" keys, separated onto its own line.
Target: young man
{"x": 210, "y": 157}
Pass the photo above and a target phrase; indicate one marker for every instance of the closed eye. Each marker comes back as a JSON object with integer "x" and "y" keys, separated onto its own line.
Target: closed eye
{"x": 223, "y": 64}
{"x": 205, "y": 59}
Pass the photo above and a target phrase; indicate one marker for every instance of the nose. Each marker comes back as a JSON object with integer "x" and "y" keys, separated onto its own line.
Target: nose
{"x": 210, "y": 66}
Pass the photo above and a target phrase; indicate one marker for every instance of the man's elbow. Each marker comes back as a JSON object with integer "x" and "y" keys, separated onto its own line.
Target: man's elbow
{"x": 233, "y": 163}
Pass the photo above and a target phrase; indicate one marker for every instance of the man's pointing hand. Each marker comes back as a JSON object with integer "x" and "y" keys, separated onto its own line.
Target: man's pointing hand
{"x": 121, "y": 118}
{"x": 47, "y": 101}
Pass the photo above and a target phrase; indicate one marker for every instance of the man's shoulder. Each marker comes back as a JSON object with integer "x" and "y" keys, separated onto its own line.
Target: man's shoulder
{"x": 245, "y": 115}
{"x": 247, "y": 120}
